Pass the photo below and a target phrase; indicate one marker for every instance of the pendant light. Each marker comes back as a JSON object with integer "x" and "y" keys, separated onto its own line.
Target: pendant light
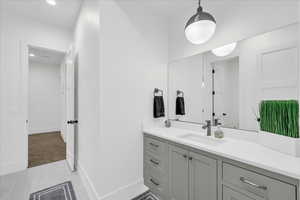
{"x": 200, "y": 27}
{"x": 224, "y": 50}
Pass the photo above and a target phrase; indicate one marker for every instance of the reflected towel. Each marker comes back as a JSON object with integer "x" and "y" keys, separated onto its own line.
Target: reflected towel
{"x": 180, "y": 107}
{"x": 158, "y": 107}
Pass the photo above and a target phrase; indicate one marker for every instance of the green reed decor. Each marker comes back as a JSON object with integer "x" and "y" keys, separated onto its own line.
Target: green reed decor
{"x": 280, "y": 117}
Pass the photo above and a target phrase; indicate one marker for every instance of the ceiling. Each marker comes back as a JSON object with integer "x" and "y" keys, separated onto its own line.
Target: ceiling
{"x": 173, "y": 8}
{"x": 46, "y": 56}
{"x": 64, "y": 14}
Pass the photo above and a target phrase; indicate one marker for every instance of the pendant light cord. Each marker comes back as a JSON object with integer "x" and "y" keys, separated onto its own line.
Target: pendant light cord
{"x": 199, "y": 7}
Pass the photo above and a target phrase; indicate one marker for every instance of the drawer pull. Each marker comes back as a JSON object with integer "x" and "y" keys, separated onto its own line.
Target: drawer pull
{"x": 154, "y": 145}
{"x": 154, "y": 162}
{"x": 244, "y": 180}
{"x": 154, "y": 182}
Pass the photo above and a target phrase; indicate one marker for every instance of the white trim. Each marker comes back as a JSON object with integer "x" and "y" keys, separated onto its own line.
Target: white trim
{"x": 24, "y": 67}
{"x": 8, "y": 168}
{"x": 33, "y": 132}
{"x": 126, "y": 192}
{"x": 89, "y": 186}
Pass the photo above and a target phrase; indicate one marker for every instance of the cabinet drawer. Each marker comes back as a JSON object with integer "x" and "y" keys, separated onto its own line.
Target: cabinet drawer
{"x": 157, "y": 183}
{"x": 257, "y": 184}
{"x": 155, "y": 162}
{"x": 229, "y": 194}
{"x": 154, "y": 146}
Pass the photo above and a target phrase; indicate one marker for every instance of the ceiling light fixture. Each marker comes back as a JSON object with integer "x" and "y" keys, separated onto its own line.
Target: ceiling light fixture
{"x": 200, "y": 27}
{"x": 31, "y": 55}
{"x": 224, "y": 50}
{"x": 51, "y": 2}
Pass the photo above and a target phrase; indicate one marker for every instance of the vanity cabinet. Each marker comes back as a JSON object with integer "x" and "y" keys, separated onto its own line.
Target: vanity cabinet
{"x": 202, "y": 177}
{"x": 229, "y": 194}
{"x": 192, "y": 176}
{"x": 178, "y": 172}
{"x": 257, "y": 185}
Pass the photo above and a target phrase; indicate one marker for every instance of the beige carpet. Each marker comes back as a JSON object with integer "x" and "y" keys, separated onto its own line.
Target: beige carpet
{"x": 45, "y": 148}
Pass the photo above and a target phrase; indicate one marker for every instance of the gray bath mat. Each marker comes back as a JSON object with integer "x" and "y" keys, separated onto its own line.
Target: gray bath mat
{"x": 63, "y": 191}
{"x": 146, "y": 196}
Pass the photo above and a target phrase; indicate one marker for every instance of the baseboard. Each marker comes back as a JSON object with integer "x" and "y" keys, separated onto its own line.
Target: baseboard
{"x": 43, "y": 131}
{"x": 89, "y": 186}
{"x": 126, "y": 192}
{"x": 9, "y": 168}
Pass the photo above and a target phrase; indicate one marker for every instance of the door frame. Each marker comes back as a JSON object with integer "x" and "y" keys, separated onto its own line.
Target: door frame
{"x": 24, "y": 84}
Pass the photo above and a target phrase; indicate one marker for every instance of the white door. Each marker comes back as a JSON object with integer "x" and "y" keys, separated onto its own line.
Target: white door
{"x": 71, "y": 112}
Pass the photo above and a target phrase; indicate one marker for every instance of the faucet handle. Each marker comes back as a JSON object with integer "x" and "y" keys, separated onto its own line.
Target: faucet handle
{"x": 208, "y": 122}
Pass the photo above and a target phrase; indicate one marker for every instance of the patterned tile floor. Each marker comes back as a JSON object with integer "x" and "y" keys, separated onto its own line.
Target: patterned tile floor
{"x": 146, "y": 196}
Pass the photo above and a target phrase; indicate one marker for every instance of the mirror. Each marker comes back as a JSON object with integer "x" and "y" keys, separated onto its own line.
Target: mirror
{"x": 228, "y": 89}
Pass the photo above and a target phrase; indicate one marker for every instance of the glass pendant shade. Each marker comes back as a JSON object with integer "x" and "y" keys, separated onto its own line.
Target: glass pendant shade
{"x": 200, "y": 28}
{"x": 224, "y": 50}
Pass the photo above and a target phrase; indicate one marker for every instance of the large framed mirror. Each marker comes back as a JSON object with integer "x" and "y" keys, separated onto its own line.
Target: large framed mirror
{"x": 226, "y": 85}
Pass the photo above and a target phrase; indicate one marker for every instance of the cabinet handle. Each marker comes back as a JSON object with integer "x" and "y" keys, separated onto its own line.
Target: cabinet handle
{"x": 154, "y": 182}
{"x": 190, "y": 158}
{"x": 155, "y": 145}
{"x": 185, "y": 156}
{"x": 244, "y": 180}
{"x": 154, "y": 162}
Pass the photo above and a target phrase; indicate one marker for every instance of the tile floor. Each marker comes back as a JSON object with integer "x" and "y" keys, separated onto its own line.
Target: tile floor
{"x": 19, "y": 186}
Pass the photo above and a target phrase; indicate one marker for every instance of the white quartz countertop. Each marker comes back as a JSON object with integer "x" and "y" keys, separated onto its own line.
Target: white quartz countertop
{"x": 239, "y": 150}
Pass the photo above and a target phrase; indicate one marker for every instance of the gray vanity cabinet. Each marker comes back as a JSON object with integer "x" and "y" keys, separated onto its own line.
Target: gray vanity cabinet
{"x": 192, "y": 176}
{"x": 202, "y": 177}
{"x": 229, "y": 194}
{"x": 178, "y": 173}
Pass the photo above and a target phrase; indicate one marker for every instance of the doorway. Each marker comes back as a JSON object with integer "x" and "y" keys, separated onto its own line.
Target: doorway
{"x": 51, "y": 106}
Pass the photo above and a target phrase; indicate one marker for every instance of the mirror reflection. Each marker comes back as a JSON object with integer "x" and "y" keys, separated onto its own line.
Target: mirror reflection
{"x": 226, "y": 85}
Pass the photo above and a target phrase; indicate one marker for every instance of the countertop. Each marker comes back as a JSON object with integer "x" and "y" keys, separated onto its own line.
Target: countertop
{"x": 235, "y": 149}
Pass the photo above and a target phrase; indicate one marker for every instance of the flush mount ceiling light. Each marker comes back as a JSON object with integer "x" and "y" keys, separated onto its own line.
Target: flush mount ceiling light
{"x": 200, "y": 27}
{"x": 224, "y": 50}
{"x": 31, "y": 55}
{"x": 51, "y": 2}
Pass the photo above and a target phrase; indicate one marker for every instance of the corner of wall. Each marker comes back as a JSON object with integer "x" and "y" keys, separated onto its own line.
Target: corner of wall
{"x": 126, "y": 192}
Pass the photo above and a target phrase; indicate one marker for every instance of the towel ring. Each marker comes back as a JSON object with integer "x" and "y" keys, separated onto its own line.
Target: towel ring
{"x": 158, "y": 92}
{"x": 180, "y": 93}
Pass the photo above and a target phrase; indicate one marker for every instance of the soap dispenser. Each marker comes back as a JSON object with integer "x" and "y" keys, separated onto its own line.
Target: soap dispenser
{"x": 219, "y": 133}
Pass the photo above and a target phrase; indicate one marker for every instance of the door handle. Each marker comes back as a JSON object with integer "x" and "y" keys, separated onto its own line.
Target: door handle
{"x": 72, "y": 122}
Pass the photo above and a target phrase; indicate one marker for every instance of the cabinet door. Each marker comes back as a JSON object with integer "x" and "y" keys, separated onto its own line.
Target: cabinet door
{"x": 178, "y": 174}
{"x": 229, "y": 194}
{"x": 203, "y": 177}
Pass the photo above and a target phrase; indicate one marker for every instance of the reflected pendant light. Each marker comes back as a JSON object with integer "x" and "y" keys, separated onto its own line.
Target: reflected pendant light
{"x": 200, "y": 27}
{"x": 224, "y": 50}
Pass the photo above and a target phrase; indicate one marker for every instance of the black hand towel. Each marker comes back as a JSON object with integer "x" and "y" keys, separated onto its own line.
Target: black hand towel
{"x": 158, "y": 107}
{"x": 180, "y": 108}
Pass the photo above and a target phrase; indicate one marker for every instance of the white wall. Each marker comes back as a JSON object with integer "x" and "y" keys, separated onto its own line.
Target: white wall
{"x": 132, "y": 62}
{"x": 244, "y": 20}
{"x": 17, "y": 29}
{"x": 44, "y": 98}
{"x": 87, "y": 46}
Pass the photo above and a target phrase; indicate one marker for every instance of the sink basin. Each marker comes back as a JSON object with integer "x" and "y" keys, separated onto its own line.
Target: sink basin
{"x": 202, "y": 139}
